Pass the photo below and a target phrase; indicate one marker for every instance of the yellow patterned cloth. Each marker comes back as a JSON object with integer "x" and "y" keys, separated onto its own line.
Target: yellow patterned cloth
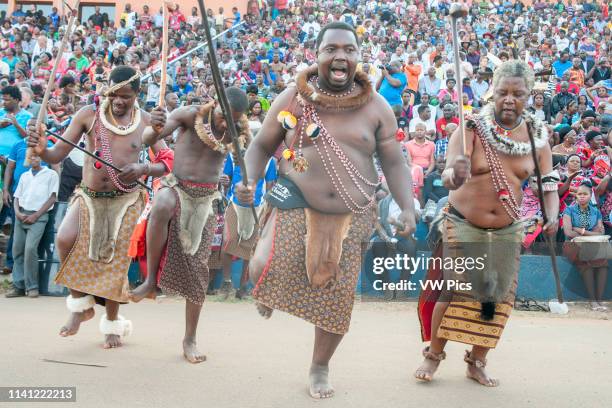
{"x": 105, "y": 280}
{"x": 284, "y": 283}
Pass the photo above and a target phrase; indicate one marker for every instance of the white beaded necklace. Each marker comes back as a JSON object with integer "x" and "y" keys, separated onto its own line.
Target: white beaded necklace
{"x": 119, "y": 130}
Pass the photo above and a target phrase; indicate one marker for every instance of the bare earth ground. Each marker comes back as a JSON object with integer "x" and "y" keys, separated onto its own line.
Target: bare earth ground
{"x": 542, "y": 361}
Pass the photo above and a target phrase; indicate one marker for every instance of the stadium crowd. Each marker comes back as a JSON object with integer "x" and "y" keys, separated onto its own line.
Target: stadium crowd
{"x": 406, "y": 49}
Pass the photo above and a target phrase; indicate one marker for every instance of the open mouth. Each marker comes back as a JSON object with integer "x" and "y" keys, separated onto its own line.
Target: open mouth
{"x": 339, "y": 73}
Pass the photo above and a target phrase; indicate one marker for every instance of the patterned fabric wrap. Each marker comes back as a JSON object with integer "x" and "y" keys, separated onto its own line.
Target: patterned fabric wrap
{"x": 284, "y": 284}
{"x": 105, "y": 280}
{"x": 180, "y": 273}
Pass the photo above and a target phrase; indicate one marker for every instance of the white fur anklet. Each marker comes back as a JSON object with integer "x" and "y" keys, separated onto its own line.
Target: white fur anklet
{"x": 119, "y": 327}
{"x": 79, "y": 305}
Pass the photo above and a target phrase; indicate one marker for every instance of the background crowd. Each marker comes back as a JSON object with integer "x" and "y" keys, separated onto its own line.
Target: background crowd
{"x": 406, "y": 50}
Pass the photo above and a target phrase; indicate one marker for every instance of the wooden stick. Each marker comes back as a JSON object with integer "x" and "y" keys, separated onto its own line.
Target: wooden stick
{"x": 90, "y": 154}
{"x": 164, "y": 61}
{"x": 51, "y": 82}
{"x": 47, "y": 360}
{"x": 457, "y": 11}
{"x": 214, "y": 67}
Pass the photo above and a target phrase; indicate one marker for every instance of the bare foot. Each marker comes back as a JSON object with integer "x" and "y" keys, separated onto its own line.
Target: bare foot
{"x": 476, "y": 371}
{"x": 112, "y": 341}
{"x": 146, "y": 289}
{"x": 191, "y": 353}
{"x": 319, "y": 382}
{"x": 74, "y": 322}
{"x": 264, "y": 310}
{"x": 432, "y": 360}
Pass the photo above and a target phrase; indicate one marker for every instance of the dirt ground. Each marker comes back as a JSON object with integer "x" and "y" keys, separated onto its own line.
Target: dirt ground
{"x": 542, "y": 361}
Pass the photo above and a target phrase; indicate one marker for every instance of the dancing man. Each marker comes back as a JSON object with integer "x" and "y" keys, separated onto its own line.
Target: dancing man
{"x": 492, "y": 165}
{"x": 182, "y": 221}
{"x": 307, "y": 261}
{"x": 94, "y": 236}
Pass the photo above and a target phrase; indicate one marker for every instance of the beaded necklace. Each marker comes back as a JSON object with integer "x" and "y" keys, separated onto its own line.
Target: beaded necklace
{"x": 205, "y": 134}
{"x": 325, "y": 145}
{"x": 315, "y": 81}
{"x": 102, "y": 149}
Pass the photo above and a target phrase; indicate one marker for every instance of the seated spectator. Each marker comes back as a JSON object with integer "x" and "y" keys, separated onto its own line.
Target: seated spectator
{"x": 569, "y": 115}
{"x": 567, "y": 139}
{"x": 449, "y": 115}
{"x": 595, "y": 157}
{"x": 385, "y": 241}
{"x": 562, "y": 99}
{"x": 35, "y": 196}
{"x": 421, "y": 150}
{"x": 541, "y": 107}
{"x": 392, "y": 83}
{"x": 425, "y": 118}
{"x": 433, "y": 188}
{"x": 583, "y": 219}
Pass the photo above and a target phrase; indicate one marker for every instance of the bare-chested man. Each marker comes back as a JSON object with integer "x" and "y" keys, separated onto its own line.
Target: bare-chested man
{"x": 498, "y": 161}
{"x": 182, "y": 222}
{"x": 94, "y": 236}
{"x": 322, "y": 208}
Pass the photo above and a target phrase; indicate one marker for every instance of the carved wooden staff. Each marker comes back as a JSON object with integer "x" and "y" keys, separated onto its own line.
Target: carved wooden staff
{"x": 227, "y": 112}
{"x": 456, "y": 12}
{"x": 51, "y": 82}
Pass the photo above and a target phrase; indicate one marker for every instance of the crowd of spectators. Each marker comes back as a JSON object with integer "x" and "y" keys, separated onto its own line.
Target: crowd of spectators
{"x": 406, "y": 50}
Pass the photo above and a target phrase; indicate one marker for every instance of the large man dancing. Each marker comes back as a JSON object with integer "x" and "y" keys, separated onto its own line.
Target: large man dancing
{"x": 322, "y": 207}
{"x": 498, "y": 161}
{"x": 182, "y": 221}
{"x": 93, "y": 238}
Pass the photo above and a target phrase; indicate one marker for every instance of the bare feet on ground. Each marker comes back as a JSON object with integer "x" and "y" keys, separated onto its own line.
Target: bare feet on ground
{"x": 191, "y": 353}
{"x": 264, "y": 310}
{"x": 74, "y": 322}
{"x": 319, "y": 382}
{"x": 479, "y": 375}
{"x": 112, "y": 341}
{"x": 426, "y": 371}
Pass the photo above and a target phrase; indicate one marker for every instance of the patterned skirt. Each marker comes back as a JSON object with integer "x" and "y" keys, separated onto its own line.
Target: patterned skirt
{"x": 181, "y": 273}
{"x": 102, "y": 279}
{"x": 284, "y": 284}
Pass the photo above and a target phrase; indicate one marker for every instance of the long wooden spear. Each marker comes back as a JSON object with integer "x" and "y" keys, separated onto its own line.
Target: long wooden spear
{"x": 43, "y": 106}
{"x": 456, "y": 12}
{"x": 227, "y": 112}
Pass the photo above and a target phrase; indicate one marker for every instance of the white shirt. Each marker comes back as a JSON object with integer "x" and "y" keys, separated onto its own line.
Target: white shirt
{"x": 34, "y": 190}
{"x": 4, "y": 68}
{"x": 429, "y": 125}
